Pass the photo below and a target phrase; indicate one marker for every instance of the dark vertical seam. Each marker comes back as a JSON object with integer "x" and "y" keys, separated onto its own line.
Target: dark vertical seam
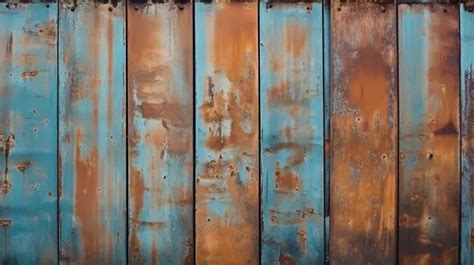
{"x": 398, "y": 137}
{"x": 127, "y": 177}
{"x": 193, "y": 5}
{"x": 326, "y": 122}
{"x": 260, "y": 216}
{"x": 460, "y": 101}
{"x": 58, "y": 157}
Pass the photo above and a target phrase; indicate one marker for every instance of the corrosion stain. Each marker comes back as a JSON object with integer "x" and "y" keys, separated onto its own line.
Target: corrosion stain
{"x": 363, "y": 135}
{"x": 29, "y": 74}
{"x": 8, "y": 145}
{"x": 448, "y": 129}
{"x": 161, "y": 120}
{"x": 229, "y": 111}
{"x": 286, "y": 180}
{"x": 296, "y": 217}
{"x": 87, "y": 200}
{"x": 429, "y": 232}
{"x": 284, "y": 259}
{"x": 23, "y": 166}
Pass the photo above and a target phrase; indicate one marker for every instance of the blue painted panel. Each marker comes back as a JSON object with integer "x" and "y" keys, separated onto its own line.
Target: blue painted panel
{"x": 160, "y": 78}
{"x": 467, "y": 130}
{"x": 92, "y": 133}
{"x": 429, "y": 178}
{"x": 292, "y": 128}
{"x": 28, "y": 99}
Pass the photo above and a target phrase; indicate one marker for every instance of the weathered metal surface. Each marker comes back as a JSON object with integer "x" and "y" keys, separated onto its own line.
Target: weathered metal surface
{"x": 363, "y": 133}
{"x": 160, "y": 96}
{"x": 28, "y": 120}
{"x": 227, "y": 153}
{"x": 92, "y": 133}
{"x": 327, "y": 120}
{"x": 467, "y": 134}
{"x": 429, "y": 178}
{"x": 292, "y": 154}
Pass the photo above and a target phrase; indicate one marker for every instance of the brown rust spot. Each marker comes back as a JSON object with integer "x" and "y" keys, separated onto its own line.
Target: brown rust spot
{"x": 5, "y": 223}
{"x": 23, "y": 166}
{"x": 286, "y": 180}
{"x": 296, "y": 217}
{"x": 284, "y": 259}
{"x": 29, "y": 74}
{"x": 448, "y": 129}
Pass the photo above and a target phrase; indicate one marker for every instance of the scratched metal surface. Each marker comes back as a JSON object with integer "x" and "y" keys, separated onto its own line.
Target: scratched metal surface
{"x": 467, "y": 133}
{"x": 92, "y": 133}
{"x": 160, "y": 96}
{"x": 28, "y": 118}
{"x": 227, "y": 179}
{"x": 429, "y": 178}
{"x": 292, "y": 145}
{"x": 363, "y": 151}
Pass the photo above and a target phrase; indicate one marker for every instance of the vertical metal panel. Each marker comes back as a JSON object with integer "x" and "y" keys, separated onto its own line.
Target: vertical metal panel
{"x": 160, "y": 96}
{"x": 327, "y": 120}
{"x": 92, "y": 133}
{"x": 429, "y": 134}
{"x": 227, "y": 181}
{"x": 28, "y": 99}
{"x": 363, "y": 133}
{"x": 291, "y": 65}
{"x": 467, "y": 132}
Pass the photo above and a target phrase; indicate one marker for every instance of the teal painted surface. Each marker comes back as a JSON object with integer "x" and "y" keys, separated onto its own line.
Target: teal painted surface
{"x": 28, "y": 96}
{"x": 92, "y": 134}
{"x": 292, "y": 127}
{"x": 429, "y": 178}
{"x": 467, "y": 130}
{"x": 160, "y": 78}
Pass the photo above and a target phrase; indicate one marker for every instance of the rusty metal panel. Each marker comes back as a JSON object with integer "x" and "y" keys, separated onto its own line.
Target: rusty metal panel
{"x": 227, "y": 149}
{"x": 363, "y": 133}
{"x": 467, "y": 133}
{"x": 92, "y": 143}
{"x": 429, "y": 178}
{"x": 160, "y": 104}
{"x": 28, "y": 124}
{"x": 292, "y": 148}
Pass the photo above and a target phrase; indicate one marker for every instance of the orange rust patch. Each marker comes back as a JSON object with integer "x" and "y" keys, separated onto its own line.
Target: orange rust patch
{"x": 286, "y": 180}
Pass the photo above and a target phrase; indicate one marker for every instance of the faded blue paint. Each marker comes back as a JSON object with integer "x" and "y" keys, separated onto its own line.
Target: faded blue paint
{"x": 467, "y": 116}
{"x": 92, "y": 134}
{"x": 161, "y": 155}
{"x": 28, "y": 99}
{"x": 292, "y": 117}
{"x": 413, "y": 57}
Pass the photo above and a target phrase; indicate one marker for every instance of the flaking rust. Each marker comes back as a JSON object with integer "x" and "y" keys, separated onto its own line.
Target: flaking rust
{"x": 160, "y": 78}
{"x": 363, "y": 133}
{"x": 429, "y": 179}
{"x": 227, "y": 134}
{"x": 92, "y": 89}
{"x": 292, "y": 155}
